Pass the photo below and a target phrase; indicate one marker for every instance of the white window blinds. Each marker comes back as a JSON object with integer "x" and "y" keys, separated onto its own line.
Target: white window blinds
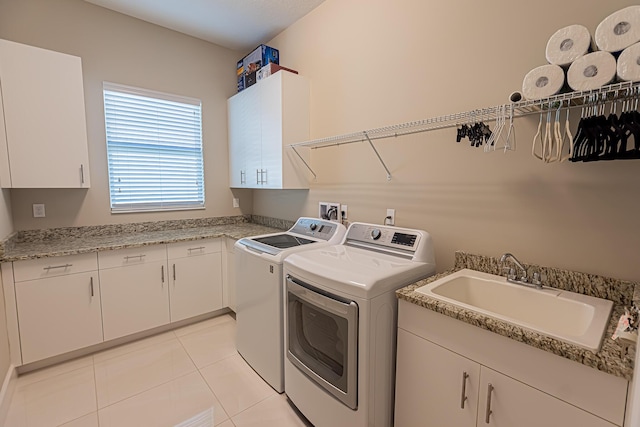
{"x": 154, "y": 150}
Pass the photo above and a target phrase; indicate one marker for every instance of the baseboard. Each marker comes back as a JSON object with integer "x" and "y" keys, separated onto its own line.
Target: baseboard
{"x": 6, "y": 392}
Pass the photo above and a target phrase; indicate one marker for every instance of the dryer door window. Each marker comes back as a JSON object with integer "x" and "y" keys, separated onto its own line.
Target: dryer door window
{"x": 322, "y": 332}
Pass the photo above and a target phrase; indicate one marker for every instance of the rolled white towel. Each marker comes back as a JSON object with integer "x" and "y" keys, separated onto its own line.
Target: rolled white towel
{"x": 543, "y": 82}
{"x": 629, "y": 64}
{"x": 592, "y": 71}
{"x": 568, "y": 44}
{"x": 619, "y": 30}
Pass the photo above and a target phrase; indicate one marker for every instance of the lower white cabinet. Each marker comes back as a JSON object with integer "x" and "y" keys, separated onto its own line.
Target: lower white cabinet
{"x": 59, "y": 311}
{"x": 229, "y": 289}
{"x": 450, "y": 373}
{"x": 195, "y": 278}
{"x": 135, "y": 290}
{"x": 60, "y": 304}
{"x": 505, "y": 402}
{"x": 437, "y": 387}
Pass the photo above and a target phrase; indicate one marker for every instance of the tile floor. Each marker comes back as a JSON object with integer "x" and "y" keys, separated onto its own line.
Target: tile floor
{"x": 189, "y": 377}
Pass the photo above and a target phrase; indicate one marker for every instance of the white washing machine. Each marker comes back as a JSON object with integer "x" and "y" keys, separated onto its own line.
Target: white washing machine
{"x": 259, "y": 292}
{"x": 341, "y": 319}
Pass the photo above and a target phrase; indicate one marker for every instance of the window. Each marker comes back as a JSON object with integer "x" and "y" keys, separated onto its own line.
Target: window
{"x": 154, "y": 150}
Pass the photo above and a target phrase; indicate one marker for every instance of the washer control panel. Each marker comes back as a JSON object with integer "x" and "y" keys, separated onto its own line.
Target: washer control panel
{"x": 385, "y": 236}
{"x": 315, "y": 227}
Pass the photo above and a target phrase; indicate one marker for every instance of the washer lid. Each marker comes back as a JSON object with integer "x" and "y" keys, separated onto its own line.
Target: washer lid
{"x": 276, "y": 246}
{"x": 283, "y": 241}
{"x": 355, "y": 271}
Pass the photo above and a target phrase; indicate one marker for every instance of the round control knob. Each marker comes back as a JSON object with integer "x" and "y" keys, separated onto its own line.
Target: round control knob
{"x": 313, "y": 226}
{"x": 376, "y": 233}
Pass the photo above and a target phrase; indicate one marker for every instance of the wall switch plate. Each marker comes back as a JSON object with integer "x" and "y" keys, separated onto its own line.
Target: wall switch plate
{"x": 391, "y": 217}
{"x": 38, "y": 210}
{"x": 236, "y": 202}
{"x": 329, "y": 211}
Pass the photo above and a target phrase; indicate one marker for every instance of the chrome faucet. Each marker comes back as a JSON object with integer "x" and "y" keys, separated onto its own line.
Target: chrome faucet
{"x": 522, "y": 280}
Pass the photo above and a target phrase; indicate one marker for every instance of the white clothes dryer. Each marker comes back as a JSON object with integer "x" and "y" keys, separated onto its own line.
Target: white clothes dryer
{"x": 259, "y": 291}
{"x": 341, "y": 320}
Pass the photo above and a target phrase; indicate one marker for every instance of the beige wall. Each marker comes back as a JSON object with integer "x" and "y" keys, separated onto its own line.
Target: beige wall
{"x": 124, "y": 50}
{"x": 379, "y": 62}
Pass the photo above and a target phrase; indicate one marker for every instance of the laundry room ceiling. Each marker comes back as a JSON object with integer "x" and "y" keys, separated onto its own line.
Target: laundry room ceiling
{"x": 234, "y": 24}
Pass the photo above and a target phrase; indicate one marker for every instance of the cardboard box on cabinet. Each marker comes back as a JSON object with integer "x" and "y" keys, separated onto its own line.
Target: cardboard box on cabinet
{"x": 247, "y": 67}
{"x": 272, "y": 68}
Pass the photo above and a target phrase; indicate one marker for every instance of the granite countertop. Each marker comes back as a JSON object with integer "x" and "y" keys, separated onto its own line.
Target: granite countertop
{"x": 77, "y": 240}
{"x": 612, "y": 358}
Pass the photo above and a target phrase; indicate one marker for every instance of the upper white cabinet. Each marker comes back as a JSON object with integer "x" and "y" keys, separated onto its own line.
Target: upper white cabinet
{"x": 263, "y": 119}
{"x": 43, "y": 137}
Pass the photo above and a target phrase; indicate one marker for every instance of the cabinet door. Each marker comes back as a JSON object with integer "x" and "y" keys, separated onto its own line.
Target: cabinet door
{"x": 134, "y": 298}
{"x": 512, "y": 403}
{"x": 43, "y": 99}
{"x": 434, "y": 386}
{"x": 295, "y": 128}
{"x": 285, "y": 120}
{"x": 229, "y": 282}
{"x": 262, "y": 120}
{"x": 271, "y": 112}
{"x": 196, "y": 285}
{"x": 58, "y": 314}
{"x": 244, "y": 137}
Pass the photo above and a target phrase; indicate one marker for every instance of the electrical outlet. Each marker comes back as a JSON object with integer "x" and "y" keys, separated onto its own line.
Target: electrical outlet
{"x": 344, "y": 211}
{"x": 236, "y": 202}
{"x": 329, "y": 210}
{"x": 391, "y": 217}
{"x": 38, "y": 210}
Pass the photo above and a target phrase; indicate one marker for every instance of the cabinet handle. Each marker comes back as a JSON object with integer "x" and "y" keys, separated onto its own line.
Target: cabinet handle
{"x": 127, "y": 258}
{"x": 488, "y": 410}
{"x": 162, "y": 273}
{"x": 261, "y": 176}
{"x": 463, "y": 398}
{"x": 81, "y": 173}
{"x": 91, "y": 285}
{"x": 174, "y": 274}
{"x": 199, "y": 248}
{"x": 53, "y": 267}
{"x": 243, "y": 177}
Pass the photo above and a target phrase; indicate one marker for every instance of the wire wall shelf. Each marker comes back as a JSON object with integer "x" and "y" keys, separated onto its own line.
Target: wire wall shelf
{"x": 580, "y": 99}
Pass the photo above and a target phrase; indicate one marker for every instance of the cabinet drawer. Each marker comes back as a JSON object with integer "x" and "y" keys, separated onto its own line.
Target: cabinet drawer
{"x": 53, "y": 266}
{"x": 193, "y": 248}
{"x": 132, "y": 256}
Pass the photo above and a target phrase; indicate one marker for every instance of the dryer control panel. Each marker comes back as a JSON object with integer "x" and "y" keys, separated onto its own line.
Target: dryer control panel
{"x": 384, "y": 236}
{"x": 404, "y": 242}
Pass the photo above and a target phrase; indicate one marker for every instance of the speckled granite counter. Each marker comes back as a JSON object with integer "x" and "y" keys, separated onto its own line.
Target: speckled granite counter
{"x": 609, "y": 359}
{"x": 76, "y": 240}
